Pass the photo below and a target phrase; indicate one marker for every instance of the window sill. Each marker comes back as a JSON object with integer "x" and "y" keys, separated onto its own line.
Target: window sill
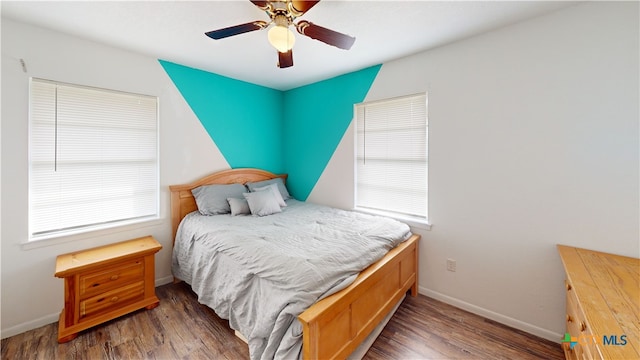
{"x": 61, "y": 238}
{"x": 413, "y": 222}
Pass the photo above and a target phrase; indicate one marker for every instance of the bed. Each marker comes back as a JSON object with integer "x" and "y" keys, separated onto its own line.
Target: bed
{"x": 335, "y": 326}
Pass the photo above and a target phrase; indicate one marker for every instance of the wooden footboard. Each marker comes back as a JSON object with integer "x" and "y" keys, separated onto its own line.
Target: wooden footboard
{"x": 335, "y": 326}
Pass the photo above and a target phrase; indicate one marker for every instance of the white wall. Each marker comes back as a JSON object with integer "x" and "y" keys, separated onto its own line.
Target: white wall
{"x": 31, "y": 295}
{"x": 533, "y": 141}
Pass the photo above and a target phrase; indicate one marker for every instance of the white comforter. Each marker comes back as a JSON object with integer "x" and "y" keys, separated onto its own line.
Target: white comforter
{"x": 260, "y": 273}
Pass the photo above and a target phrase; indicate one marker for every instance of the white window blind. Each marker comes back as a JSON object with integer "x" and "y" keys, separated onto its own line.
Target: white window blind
{"x": 391, "y": 170}
{"x": 93, "y": 158}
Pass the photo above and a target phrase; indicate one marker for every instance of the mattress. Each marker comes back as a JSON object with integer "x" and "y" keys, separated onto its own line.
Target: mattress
{"x": 260, "y": 273}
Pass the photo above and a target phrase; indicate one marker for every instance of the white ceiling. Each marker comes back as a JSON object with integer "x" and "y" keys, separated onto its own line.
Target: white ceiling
{"x": 174, "y": 31}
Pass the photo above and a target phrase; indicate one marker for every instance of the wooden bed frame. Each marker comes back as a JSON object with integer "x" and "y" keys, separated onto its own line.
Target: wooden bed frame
{"x": 335, "y": 326}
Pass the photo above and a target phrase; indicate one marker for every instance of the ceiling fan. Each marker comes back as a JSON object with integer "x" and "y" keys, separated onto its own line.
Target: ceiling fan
{"x": 282, "y": 14}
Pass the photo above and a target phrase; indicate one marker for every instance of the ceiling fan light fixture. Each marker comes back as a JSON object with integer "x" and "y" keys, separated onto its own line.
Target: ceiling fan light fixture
{"x": 282, "y": 14}
{"x": 281, "y": 38}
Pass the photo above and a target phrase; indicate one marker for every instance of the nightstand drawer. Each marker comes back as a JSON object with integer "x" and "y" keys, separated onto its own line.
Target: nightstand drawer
{"x": 99, "y": 282}
{"x": 110, "y": 300}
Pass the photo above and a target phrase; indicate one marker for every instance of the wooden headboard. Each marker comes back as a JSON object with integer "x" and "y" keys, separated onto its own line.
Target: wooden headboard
{"x": 183, "y": 202}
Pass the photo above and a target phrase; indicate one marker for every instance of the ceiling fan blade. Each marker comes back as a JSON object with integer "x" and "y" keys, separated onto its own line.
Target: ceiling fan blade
{"x": 285, "y": 60}
{"x": 235, "y": 30}
{"x": 261, "y": 4}
{"x": 325, "y": 35}
{"x": 300, "y": 7}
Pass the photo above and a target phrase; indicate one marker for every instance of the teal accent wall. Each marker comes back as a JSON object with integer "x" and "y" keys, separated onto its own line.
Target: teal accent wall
{"x": 316, "y": 117}
{"x": 244, "y": 120}
{"x": 294, "y": 132}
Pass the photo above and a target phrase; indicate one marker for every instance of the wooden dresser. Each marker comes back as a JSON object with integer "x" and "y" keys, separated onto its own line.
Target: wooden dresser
{"x": 603, "y": 305}
{"x": 103, "y": 283}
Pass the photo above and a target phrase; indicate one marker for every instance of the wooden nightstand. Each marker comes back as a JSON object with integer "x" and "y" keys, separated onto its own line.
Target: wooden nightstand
{"x": 106, "y": 282}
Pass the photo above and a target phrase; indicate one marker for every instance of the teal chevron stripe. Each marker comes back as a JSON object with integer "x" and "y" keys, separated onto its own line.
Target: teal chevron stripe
{"x": 296, "y": 131}
{"x": 316, "y": 117}
{"x": 244, "y": 120}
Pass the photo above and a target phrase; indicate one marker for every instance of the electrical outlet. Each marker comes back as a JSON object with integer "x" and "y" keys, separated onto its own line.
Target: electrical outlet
{"x": 451, "y": 265}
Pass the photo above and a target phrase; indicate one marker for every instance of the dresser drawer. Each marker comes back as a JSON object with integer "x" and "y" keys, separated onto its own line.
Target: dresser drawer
{"x": 578, "y": 327}
{"x": 110, "y": 300}
{"x": 572, "y": 323}
{"x": 110, "y": 278}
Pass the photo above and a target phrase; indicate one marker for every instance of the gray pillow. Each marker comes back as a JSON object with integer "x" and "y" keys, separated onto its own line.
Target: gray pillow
{"x": 262, "y": 203}
{"x": 274, "y": 189}
{"x": 278, "y": 181}
{"x": 212, "y": 199}
{"x": 239, "y": 206}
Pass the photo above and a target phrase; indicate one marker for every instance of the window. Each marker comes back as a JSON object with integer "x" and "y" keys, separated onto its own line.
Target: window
{"x": 93, "y": 158}
{"x": 391, "y": 166}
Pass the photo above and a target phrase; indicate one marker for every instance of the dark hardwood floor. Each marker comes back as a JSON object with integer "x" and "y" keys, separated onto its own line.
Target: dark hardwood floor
{"x": 180, "y": 328}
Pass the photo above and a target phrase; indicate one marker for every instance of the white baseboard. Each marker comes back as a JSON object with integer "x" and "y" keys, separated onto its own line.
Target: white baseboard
{"x": 51, "y": 318}
{"x": 503, "y": 319}
{"x": 30, "y": 325}
{"x": 164, "y": 281}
